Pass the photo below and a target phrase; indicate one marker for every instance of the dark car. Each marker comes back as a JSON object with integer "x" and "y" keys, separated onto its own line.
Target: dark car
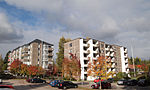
{"x": 67, "y": 84}
{"x": 104, "y": 85}
{"x": 37, "y": 80}
{"x": 142, "y": 82}
{"x": 6, "y": 87}
{"x": 132, "y": 82}
{"x": 55, "y": 83}
{"x": 122, "y": 82}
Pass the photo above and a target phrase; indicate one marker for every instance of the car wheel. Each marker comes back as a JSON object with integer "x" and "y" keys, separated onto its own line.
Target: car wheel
{"x": 75, "y": 86}
{"x": 44, "y": 82}
{"x": 64, "y": 87}
{"x": 93, "y": 87}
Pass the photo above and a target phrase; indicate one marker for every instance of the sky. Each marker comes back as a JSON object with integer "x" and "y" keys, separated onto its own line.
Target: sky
{"x": 121, "y": 22}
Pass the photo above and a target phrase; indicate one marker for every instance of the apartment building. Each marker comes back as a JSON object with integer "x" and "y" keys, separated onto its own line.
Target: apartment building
{"x": 36, "y": 52}
{"x": 90, "y": 49}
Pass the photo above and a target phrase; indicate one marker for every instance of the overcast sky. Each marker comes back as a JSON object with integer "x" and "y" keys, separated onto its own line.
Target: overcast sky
{"x": 122, "y": 22}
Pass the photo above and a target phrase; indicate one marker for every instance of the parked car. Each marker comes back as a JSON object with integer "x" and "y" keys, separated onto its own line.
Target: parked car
{"x": 55, "y": 83}
{"x": 1, "y": 81}
{"x": 132, "y": 82}
{"x": 6, "y": 87}
{"x": 98, "y": 80}
{"x": 142, "y": 82}
{"x": 122, "y": 82}
{"x": 110, "y": 80}
{"x": 28, "y": 80}
{"x": 104, "y": 85}
{"x": 67, "y": 84}
{"x": 37, "y": 80}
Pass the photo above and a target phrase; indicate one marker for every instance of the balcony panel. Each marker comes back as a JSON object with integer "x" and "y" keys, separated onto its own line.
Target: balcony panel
{"x": 50, "y": 54}
{"x": 50, "y": 49}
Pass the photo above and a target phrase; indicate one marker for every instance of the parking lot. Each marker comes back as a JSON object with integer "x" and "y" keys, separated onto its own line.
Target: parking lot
{"x": 21, "y": 84}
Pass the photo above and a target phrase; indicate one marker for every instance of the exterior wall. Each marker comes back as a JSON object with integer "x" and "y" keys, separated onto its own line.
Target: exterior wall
{"x": 74, "y": 49}
{"x": 34, "y": 54}
{"x": 124, "y": 60}
{"x": 118, "y": 59}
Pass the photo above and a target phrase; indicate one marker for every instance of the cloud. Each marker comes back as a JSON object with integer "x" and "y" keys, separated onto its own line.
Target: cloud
{"x": 124, "y": 22}
{"x": 8, "y": 34}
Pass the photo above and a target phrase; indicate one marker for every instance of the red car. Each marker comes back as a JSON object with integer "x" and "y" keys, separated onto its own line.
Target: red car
{"x": 8, "y": 87}
{"x": 28, "y": 80}
{"x": 98, "y": 80}
{"x": 104, "y": 85}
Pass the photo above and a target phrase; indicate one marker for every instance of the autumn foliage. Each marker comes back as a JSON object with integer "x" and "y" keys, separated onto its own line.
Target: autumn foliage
{"x": 18, "y": 68}
{"x": 15, "y": 66}
{"x": 99, "y": 67}
{"x": 71, "y": 68}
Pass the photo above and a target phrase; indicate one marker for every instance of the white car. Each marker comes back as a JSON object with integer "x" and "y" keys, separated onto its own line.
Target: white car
{"x": 122, "y": 82}
{"x": 1, "y": 81}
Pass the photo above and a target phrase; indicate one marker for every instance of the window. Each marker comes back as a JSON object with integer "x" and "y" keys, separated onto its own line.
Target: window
{"x": 70, "y": 51}
{"x": 102, "y": 45}
{"x": 70, "y": 44}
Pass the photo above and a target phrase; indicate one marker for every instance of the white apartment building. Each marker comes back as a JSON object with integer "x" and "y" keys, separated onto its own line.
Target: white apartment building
{"x": 36, "y": 52}
{"x": 90, "y": 49}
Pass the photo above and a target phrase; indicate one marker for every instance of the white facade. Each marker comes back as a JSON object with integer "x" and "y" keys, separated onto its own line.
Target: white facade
{"x": 124, "y": 60}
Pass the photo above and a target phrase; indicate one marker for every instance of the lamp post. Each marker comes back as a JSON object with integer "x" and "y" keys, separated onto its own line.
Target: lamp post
{"x": 133, "y": 61}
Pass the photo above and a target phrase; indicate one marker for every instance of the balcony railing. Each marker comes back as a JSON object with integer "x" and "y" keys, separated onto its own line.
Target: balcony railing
{"x": 50, "y": 49}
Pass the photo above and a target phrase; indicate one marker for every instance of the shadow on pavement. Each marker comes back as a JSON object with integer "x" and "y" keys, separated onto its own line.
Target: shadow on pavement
{"x": 30, "y": 86}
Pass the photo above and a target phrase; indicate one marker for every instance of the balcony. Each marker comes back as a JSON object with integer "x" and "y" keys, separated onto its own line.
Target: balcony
{"x": 86, "y": 58}
{"x": 86, "y": 45}
{"x": 107, "y": 53}
{"x": 109, "y": 70}
{"x": 96, "y": 45}
{"x": 125, "y": 55}
{"x": 95, "y": 58}
{"x": 113, "y": 59}
{"x": 112, "y": 54}
{"x": 50, "y": 49}
{"x": 25, "y": 60}
{"x": 111, "y": 49}
{"x": 85, "y": 72}
{"x": 113, "y": 69}
{"x": 95, "y": 50}
{"x": 50, "y": 54}
{"x": 85, "y": 65}
{"x": 113, "y": 65}
{"x": 107, "y": 49}
{"x": 126, "y": 65}
{"x": 25, "y": 49}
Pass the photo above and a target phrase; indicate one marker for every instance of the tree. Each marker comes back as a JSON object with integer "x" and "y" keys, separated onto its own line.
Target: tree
{"x": 99, "y": 67}
{"x": 24, "y": 69}
{"x": 32, "y": 70}
{"x": 41, "y": 71}
{"x": 137, "y": 60}
{"x": 15, "y": 67}
{"x": 1, "y": 65}
{"x": 71, "y": 68}
{"x": 6, "y": 60}
{"x": 60, "y": 54}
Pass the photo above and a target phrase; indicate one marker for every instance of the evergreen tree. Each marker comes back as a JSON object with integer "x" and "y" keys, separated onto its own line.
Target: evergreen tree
{"x": 1, "y": 65}
{"x": 60, "y": 54}
{"x": 6, "y": 61}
